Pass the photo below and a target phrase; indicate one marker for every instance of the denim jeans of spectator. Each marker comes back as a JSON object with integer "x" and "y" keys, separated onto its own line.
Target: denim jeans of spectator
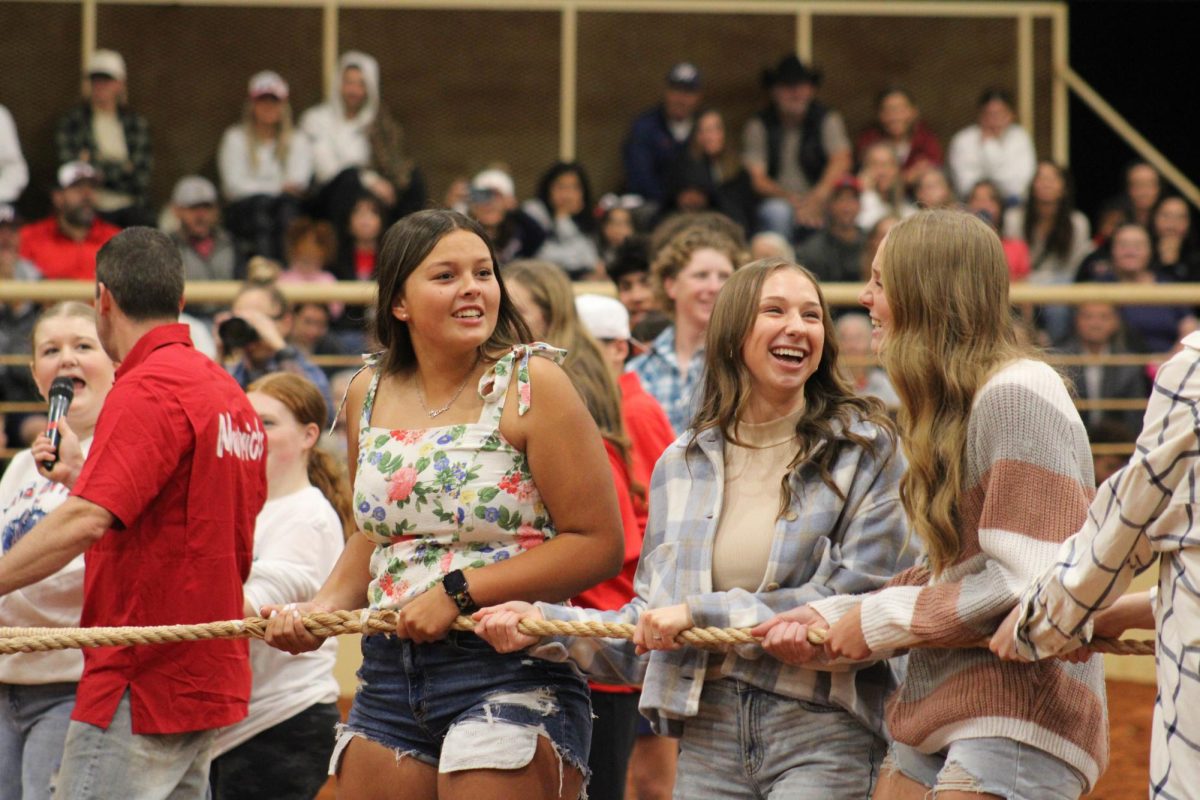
{"x": 1002, "y": 767}
{"x": 117, "y": 764}
{"x": 33, "y": 727}
{"x": 776, "y": 214}
{"x": 288, "y": 761}
{"x": 746, "y": 742}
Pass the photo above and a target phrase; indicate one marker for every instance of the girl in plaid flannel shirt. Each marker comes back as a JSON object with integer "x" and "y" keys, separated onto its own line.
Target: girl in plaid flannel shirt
{"x": 829, "y": 521}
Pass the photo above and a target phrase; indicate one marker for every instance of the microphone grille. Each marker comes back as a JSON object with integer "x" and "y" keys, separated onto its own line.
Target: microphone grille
{"x": 63, "y": 386}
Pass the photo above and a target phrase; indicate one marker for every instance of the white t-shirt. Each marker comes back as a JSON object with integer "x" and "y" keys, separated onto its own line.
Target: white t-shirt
{"x": 297, "y": 540}
{"x": 54, "y": 602}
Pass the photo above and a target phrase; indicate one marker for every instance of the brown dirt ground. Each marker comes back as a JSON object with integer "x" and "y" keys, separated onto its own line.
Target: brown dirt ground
{"x": 1130, "y": 710}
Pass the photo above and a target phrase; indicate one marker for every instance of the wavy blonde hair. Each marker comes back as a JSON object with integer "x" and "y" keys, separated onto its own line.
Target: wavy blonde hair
{"x": 585, "y": 364}
{"x": 946, "y": 281}
{"x": 830, "y": 403}
{"x": 284, "y": 132}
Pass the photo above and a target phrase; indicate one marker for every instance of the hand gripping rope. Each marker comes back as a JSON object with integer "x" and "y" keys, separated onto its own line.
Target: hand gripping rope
{"x": 337, "y": 623}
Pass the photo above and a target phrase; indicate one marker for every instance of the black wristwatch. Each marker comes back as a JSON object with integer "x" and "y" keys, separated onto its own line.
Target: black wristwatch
{"x": 455, "y": 584}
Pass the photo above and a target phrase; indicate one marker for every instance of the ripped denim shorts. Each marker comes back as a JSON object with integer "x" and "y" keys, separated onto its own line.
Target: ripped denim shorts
{"x": 994, "y": 766}
{"x": 459, "y": 705}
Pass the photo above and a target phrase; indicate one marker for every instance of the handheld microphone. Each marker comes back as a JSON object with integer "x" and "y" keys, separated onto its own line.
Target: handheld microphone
{"x": 62, "y": 392}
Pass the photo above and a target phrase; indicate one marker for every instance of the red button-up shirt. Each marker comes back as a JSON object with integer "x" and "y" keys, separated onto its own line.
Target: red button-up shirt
{"x": 179, "y": 458}
{"x": 60, "y": 257}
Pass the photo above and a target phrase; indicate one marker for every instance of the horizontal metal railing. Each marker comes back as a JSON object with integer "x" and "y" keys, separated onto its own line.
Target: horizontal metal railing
{"x": 838, "y": 295}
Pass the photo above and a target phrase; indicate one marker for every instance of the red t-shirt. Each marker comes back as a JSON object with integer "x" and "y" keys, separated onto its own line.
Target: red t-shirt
{"x": 179, "y": 458}
{"x": 649, "y": 432}
{"x": 617, "y": 591}
{"x": 60, "y": 257}
{"x": 364, "y": 264}
{"x": 1016, "y": 252}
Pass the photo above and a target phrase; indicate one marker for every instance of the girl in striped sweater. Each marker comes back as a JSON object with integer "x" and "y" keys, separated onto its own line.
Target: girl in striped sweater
{"x": 1000, "y": 473}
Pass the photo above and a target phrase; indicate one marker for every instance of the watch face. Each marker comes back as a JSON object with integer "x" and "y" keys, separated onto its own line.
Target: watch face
{"x": 455, "y": 581}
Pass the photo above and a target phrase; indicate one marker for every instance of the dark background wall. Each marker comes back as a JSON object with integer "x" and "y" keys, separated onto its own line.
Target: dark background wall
{"x": 475, "y": 87}
{"x": 1141, "y": 57}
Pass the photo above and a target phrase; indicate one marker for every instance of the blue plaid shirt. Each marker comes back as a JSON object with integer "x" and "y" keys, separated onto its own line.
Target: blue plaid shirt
{"x": 658, "y": 369}
{"x": 823, "y": 545}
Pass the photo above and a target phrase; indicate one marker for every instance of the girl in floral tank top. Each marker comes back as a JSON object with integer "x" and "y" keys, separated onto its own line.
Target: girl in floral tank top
{"x": 455, "y": 512}
{"x": 456, "y": 497}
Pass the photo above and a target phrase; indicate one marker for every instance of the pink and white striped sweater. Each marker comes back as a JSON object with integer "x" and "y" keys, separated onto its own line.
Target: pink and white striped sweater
{"x": 1030, "y": 479}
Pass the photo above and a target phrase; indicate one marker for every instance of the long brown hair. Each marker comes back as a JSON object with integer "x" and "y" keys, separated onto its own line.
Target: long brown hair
{"x": 946, "y": 281}
{"x": 405, "y": 245}
{"x": 554, "y": 296}
{"x": 305, "y": 402}
{"x": 830, "y": 404}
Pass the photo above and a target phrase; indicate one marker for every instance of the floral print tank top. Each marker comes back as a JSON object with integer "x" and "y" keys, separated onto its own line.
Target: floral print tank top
{"x": 435, "y": 500}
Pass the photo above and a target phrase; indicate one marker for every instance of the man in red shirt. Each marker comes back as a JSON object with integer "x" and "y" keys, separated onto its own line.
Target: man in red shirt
{"x": 64, "y": 246}
{"x": 164, "y": 508}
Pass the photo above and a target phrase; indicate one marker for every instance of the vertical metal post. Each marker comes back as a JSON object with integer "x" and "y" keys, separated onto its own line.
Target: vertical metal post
{"x": 566, "y": 89}
{"x": 1025, "y": 90}
{"x": 804, "y": 35}
{"x": 1062, "y": 132}
{"x": 329, "y": 44}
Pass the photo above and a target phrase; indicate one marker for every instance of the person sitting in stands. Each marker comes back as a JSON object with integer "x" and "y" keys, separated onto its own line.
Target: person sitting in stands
{"x": 104, "y": 132}
{"x": 995, "y": 147}
{"x": 359, "y": 147}
{"x": 64, "y": 246}
{"x": 259, "y": 345}
{"x": 834, "y": 253}
{"x": 660, "y": 134}
{"x": 795, "y": 150}
{"x": 265, "y": 167}
{"x": 492, "y": 202}
{"x": 899, "y": 124}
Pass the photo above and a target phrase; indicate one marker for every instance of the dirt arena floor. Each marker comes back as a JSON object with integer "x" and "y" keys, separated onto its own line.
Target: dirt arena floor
{"x": 1130, "y": 709}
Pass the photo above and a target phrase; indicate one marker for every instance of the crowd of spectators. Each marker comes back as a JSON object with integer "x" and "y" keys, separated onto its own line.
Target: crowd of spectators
{"x": 305, "y": 199}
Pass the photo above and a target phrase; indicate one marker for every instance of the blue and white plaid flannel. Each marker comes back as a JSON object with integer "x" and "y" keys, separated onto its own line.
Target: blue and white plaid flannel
{"x": 823, "y": 545}
{"x": 658, "y": 369}
{"x": 1146, "y": 510}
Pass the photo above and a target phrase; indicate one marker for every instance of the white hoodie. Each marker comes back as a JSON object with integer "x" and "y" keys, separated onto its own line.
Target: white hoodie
{"x": 339, "y": 142}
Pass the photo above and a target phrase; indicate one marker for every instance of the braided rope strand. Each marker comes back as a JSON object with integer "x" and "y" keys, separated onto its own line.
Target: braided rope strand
{"x": 337, "y": 623}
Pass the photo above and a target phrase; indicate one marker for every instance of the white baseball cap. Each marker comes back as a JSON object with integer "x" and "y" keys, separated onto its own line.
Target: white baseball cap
{"x": 193, "y": 190}
{"x": 604, "y": 317}
{"x": 268, "y": 84}
{"x": 73, "y": 172}
{"x": 106, "y": 62}
{"x": 496, "y": 180}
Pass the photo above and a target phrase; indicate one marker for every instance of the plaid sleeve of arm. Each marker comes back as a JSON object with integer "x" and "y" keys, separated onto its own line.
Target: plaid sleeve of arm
{"x": 1096, "y": 565}
{"x": 71, "y": 136}
{"x": 860, "y": 556}
{"x": 614, "y": 660}
{"x": 141, "y": 156}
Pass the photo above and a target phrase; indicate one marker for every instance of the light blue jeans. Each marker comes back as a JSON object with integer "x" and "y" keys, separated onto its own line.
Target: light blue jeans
{"x": 33, "y": 725}
{"x": 1003, "y": 767}
{"x": 117, "y": 763}
{"x": 777, "y": 215}
{"x": 750, "y": 743}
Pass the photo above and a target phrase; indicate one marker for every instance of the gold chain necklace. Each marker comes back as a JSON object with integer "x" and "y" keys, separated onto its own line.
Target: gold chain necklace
{"x": 439, "y": 411}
